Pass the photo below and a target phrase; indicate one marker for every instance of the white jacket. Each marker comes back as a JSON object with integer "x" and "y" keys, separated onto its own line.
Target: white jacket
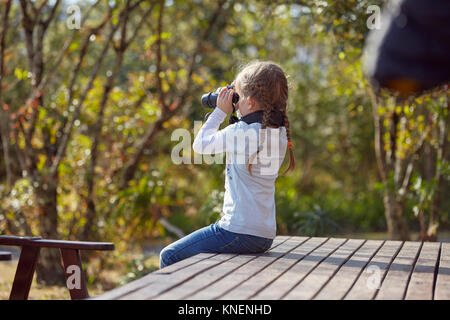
{"x": 249, "y": 200}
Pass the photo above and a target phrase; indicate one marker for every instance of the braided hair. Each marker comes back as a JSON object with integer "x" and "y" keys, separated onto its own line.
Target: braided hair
{"x": 267, "y": 84}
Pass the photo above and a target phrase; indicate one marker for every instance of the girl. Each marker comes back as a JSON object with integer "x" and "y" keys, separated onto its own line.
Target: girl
{"x": 260, "y": 137}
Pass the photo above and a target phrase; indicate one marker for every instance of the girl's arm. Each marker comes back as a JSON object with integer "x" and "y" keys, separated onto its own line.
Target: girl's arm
{"x": 209, "y": 139}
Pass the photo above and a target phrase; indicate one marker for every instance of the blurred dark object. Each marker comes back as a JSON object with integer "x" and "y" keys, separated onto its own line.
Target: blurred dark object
{"x": 411, "y": 50}
{"x": 5, "y": 256}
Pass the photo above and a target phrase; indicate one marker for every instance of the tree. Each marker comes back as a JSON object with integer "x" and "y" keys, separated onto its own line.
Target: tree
{"x": 41, "y": 128}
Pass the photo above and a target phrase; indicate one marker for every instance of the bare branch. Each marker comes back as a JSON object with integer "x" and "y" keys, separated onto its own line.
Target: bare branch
{"x": 200, "y": 42}
{"x": 4, "y": 114}
{"x": 399, "y": 160}
{"x": 413, "y": 158}
{"x": 139, "y": 25}
{"x": 120, "y": 50}
{"x": 60, "y": 56}
{"x": 19, "y": 152}
{"x": 77, "y": 68}
{"x": 47, "y": 21}
{"x": 35, "y": 52}
{"x": 49, "y": 76}
{"x": 37, "y": 12}
{"x": 159, "y": 57}
{"x": 378, "y": 137}
{"x": 28, "y": 26}
{"x": 155, "y": 127}
{"x": 67, "y": 131}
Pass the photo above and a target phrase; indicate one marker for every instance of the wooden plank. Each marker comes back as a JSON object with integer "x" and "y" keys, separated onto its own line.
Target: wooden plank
{"x": 254, "y": 288}
{"x": 212, "y": 275}
{"x": 204, "y": 279}
{"x": 185, "y": 263}
{"x": 130, "y": 287}
{"x": 343, "y": 280}
{"x": 422, "y": 280}
{"x": 299, "y": 270}
{"x": 217, "y": 289}
{"x": 169, "y": 282}
{"x": 152, "y": 277}
{"x": 315, "y": 280}
{"x": 397, "y": 278}
{"x": 442, "y": 291}
{"x": 250, "y": 288}
{"x": 159, "y": 274}
{"x": 189, "y": 261}
{"x": 48, "y": 243}
{"x": 369, "y": 280}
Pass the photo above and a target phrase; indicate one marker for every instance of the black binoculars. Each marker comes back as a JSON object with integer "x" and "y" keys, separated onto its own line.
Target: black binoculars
{"x": 209, "y": 100}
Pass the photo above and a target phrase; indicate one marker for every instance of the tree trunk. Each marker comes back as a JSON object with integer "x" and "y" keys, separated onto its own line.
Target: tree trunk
{"x": 396, "y": 223}
{"x": 49, "y": 269}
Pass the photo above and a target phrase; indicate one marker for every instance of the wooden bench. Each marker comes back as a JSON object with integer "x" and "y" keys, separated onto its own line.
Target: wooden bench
{"x": 304, "y": 268}
{"x": 30, "y": 247}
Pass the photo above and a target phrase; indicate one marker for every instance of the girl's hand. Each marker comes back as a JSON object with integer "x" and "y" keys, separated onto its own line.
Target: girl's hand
{"x": 224, "y": 101}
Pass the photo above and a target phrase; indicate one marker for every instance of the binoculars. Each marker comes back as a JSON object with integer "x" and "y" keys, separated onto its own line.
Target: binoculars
{"x": 209, "y": 100}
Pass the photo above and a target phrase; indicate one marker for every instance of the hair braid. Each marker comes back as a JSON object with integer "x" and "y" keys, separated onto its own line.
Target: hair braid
{"x": 267, "y": 84}
{"x": 262, "y": 132}
{"x": 290, "y": 146}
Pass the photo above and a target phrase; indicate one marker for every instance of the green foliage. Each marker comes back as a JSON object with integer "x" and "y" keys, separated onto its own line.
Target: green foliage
{"x": 137, "y": 268}
{"x": 211, "y": 209}
{"x": 314, "y": 223}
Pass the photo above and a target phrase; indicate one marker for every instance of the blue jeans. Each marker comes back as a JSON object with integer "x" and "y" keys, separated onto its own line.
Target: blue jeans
{"x": 212, "y": 239}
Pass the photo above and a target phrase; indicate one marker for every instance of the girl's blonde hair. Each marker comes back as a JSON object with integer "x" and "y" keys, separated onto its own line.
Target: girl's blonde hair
{"x": 266, "y": 83}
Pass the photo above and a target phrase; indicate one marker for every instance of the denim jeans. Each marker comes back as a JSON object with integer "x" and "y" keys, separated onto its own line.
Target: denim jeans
{"x": 212, "y": 239}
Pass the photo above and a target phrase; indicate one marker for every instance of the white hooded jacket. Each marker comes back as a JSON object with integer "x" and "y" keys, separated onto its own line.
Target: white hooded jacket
{"x": 249, "y": 200}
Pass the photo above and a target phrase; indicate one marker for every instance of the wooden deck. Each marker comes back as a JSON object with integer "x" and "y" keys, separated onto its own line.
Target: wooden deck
{"x": 304, "y": 268}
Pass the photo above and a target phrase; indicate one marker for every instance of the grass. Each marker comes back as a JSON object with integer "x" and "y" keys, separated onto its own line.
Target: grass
{"x": 37, "y": 292}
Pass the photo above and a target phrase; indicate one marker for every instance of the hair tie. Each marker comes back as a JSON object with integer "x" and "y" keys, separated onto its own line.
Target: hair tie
{"x": 290, "y": 145}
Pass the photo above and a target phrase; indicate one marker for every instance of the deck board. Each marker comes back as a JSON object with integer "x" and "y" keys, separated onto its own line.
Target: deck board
{"x": 220, "y": 288}
{"x": 397, "y": 278}
{"x": 442, "y": 291}
{"x": 421, "y": 284}
{"x": 367, "y": 284}
{"x": 311, "y": 285}
{"x": 281, "y": 286}
{"x": 304, "y": 268}
{"x": 257, "y": 282}
{"x": 347, "y": 275}
{"x": 210, "y": 276}
{"x": 170, "y": 281}
{"x": 265, "y": 291}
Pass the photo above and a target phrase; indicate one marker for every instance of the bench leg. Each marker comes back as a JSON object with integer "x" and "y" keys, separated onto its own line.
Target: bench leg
{"x": 76, "y": 282}
{"x": 24, "y": 273}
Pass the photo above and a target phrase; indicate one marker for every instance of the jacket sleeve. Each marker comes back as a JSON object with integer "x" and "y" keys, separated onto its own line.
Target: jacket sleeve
{"x": 211, "y": 140}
